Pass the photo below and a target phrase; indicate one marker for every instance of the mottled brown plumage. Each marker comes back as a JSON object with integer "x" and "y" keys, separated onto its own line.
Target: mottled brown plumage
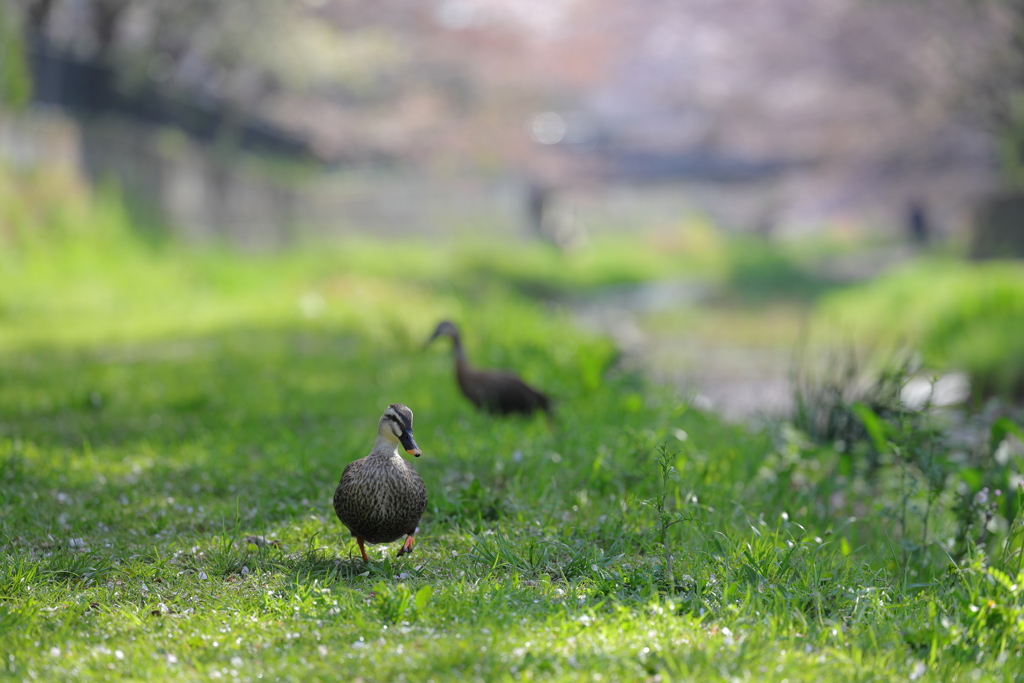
{"x": 380, "y": 497}
{"x": 495, "y": 391}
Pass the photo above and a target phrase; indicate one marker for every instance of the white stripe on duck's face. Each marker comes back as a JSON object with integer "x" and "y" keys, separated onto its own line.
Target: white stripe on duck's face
{"x": 392, "y": 425}
{"x": 389, "y": 428}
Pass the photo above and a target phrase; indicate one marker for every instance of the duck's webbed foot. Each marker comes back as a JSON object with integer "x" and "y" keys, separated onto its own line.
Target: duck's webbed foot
{"x": 406, "y": 548}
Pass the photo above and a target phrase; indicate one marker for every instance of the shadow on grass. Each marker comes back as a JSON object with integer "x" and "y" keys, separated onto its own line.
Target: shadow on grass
{"x": 258, "y": 379}
{"x": 325, "y": 567}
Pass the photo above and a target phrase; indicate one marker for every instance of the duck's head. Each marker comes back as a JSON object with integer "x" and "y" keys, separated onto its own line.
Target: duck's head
{"x": 445, "y": 328}
{"x": 395, "y": 426}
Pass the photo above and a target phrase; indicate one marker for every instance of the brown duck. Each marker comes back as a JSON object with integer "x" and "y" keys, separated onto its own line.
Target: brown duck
{"x": 381, "y": 497}
{"x": 495, "y": 391}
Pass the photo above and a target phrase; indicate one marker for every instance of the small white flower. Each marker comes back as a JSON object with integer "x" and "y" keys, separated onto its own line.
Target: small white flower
{"x": 55, "y": 652}
{"x": 118, "y": 654}
{"x": 171, "y": 659}
{"x": 236, "y": 662}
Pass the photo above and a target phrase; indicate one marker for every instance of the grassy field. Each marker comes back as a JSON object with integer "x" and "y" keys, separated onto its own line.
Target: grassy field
{"x": 173, "y": 424}
{"x": 964, "y": 316}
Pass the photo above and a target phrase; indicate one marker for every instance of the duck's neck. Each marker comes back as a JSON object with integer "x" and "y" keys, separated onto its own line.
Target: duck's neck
{"x": 384, "y": 447}
{"x": 460, "y": 355}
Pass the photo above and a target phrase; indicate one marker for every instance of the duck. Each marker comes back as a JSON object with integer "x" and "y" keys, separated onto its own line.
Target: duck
{"x": 495, "y": 391}
{"x": 381, "y": 497}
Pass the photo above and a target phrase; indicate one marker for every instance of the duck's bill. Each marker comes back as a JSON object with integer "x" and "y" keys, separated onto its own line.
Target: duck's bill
{"x": 409, "y": 444}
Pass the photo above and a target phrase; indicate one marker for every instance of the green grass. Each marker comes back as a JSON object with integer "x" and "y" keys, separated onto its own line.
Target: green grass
{"x": 961, "y": 316}
{"x": 160, "y": 408}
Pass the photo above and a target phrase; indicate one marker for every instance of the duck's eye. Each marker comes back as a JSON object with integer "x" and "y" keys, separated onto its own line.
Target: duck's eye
{"x": 396, "y": 426}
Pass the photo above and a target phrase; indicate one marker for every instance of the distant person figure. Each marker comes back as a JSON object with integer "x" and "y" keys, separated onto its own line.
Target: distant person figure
{"x": 536, "y": 199}
{"x": 917, "y": 222}
{"x": 765, "y": 226}
{"x": 552, "y": 219}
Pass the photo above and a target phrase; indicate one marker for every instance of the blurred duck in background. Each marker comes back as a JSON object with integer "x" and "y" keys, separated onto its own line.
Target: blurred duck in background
{"x": 495, "y": 391}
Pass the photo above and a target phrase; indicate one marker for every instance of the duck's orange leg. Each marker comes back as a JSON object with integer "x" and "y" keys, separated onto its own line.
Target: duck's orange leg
{"x": 362, "y": 550}
{"x": 406, "y": 547}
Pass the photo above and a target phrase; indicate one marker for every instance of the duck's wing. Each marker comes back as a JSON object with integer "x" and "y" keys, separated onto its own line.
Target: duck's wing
{"x": 351, "y": 469}
{"x": 523, "y": 398}
{"x": 417, "y": 493}
{"x": 507, "y": 393}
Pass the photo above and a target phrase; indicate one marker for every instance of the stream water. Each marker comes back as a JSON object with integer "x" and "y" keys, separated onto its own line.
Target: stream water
{"x": 742, "y": 382}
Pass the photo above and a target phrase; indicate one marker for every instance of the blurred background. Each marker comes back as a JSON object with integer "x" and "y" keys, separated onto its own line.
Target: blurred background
{"x": 710, "y": 183}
